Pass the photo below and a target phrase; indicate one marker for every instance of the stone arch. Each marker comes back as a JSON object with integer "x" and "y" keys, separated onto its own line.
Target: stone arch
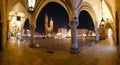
{"x": 111, "y": 23}
{"x": 87, "y": 7}
{"x": 18, "y": 10}
{"x": 109, "y": 26}
{"x": 54, "y": 13}
{"x": 110, "y": 8}
{"x": 42, "y": 5}
{"x": 18, "y": 7}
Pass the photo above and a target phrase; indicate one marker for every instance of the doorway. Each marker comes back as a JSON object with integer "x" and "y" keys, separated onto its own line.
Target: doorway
{"x": 110, "y": 33}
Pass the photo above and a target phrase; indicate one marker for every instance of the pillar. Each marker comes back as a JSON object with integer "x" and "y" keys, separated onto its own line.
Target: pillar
{"x": 32, "y": 30}
{"x": 97, "y": 35}
{"x": 8, "y": 34}
{"x": 4, "y": 24}
{"x": 21, "y": 39}
{"x": 74, "y": 45}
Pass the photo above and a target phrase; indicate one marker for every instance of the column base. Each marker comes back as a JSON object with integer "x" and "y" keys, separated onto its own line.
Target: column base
{"x": 96, "y": 41}
{"x": 21, "y": 39}
{"x": 74, "y": 50}
{"x": 3, "y": 47}
{"x": 32, "y": 45}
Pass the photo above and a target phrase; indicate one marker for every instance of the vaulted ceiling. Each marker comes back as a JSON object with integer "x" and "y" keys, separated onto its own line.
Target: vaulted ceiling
{"x": 92, "y": 6}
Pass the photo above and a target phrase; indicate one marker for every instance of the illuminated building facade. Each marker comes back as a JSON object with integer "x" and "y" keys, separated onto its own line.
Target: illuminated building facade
{"x": 48, "y": 26}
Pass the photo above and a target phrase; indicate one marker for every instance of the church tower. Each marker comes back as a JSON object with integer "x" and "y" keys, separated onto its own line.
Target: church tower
{"x": 46, "y": 24}
{"x": 51, "y": 24}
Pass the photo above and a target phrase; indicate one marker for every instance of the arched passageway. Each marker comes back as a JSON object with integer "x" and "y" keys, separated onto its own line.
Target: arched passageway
{"x": 86, "y": 25}
{"x": 26, "y": 28}
{"x": 85, "y": 21}
{"x": 26, "y": 24}
{"x": 52, "y": 18}
{"x": 110, "y": 33}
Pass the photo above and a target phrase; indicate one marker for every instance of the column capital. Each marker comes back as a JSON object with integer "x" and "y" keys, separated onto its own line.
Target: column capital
{"x": 74, "y": 22}
{"x": 32, "y": 26}
{"x": 96, "y": 29}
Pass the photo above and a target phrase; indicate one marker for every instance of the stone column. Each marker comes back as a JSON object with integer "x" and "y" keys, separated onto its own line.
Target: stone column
{"x": 21, "y": 39}
{"x": 74, "y": 45}
{"x": 8, "y": 35}
{"x": 3, "y": 3}
{"x": 97, "y": 35}
{"x": 32, "y": 30}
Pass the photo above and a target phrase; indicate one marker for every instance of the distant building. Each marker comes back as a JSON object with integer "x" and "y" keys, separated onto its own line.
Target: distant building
{"x": 49, "y": 25}
{"x": 62, "y": 33}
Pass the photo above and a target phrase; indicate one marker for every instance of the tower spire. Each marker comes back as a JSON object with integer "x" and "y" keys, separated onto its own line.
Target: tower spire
{"x": 51, "y": 24}
{"x": 51, "y": 18}
{"x": 46, "y": 16}
{"x": 46, "y": 24}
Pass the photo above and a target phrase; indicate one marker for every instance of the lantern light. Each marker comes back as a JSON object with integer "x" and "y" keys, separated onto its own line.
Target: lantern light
{"x": 102, "y": 21}
{"x": 31, "y": 5}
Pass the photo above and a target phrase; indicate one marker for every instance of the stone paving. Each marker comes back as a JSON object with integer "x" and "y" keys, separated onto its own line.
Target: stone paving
{"x": 56, "y": 52}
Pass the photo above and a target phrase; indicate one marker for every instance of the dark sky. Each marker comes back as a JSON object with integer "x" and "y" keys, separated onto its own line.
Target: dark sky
{"x": 85, "y": 21}
{"x": 58, "y": 14}
{"x": 26, "y": 24}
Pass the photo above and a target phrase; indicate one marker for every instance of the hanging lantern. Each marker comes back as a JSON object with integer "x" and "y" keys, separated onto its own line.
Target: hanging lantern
{"x": 102, "y": 21}
{"x": 31, "y": 5}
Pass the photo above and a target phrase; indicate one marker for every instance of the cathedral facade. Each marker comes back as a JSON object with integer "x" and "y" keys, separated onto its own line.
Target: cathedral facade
{"x": 49, "y": 25}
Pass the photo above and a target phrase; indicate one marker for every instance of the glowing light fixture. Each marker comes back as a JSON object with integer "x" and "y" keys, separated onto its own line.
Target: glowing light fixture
{"x": 102, "y": 21}
{"x": 31, "y": 5}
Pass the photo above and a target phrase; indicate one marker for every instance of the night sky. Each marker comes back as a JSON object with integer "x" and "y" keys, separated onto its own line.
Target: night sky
{"x": 26, "y": 24}
{"x": 85, "y": 21}
{"x": 58, "y": 14}
{"x": 60, "y": 18}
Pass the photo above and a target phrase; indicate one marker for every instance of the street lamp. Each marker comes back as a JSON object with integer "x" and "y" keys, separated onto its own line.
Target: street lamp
{"x": 31, "y": 5}
{"x": 102, "y": 21}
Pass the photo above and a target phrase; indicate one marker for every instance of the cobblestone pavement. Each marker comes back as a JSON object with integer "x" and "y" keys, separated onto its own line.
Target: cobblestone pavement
{"x": 56, "y": 52}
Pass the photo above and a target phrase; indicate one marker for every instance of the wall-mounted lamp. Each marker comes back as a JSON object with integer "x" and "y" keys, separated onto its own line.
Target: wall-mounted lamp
{"x": 31, "y": 5}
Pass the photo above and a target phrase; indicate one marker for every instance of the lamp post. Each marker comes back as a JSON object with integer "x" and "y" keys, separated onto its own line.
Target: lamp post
{"x": 102, "y": 20}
